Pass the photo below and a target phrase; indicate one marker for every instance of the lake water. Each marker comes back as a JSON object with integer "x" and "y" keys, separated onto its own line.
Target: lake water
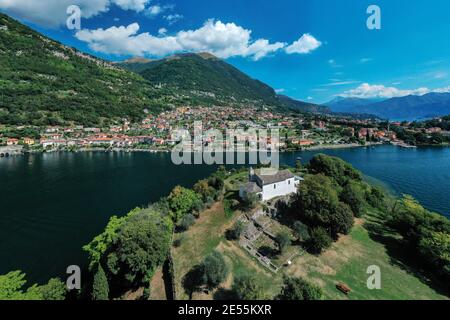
{"x": 53, "y": 204}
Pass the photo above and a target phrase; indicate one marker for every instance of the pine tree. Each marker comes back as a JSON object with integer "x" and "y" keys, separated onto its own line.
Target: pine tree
{"x": 100, "y": 287}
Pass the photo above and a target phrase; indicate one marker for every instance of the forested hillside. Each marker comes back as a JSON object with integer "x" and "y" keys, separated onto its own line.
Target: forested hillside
{"x": 44, "y": 82}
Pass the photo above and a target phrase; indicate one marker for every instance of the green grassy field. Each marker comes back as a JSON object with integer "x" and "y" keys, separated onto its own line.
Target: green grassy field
{"x": 347, "y": 261}
{"x": 198, "y": 242}
{"x": 369, "y": 243}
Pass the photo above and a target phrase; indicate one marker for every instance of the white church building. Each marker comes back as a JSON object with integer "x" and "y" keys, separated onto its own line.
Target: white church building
{"x": 268, "y": 185}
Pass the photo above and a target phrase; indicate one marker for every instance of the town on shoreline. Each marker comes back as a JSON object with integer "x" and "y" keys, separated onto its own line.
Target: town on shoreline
{"x": 154, "y": 134}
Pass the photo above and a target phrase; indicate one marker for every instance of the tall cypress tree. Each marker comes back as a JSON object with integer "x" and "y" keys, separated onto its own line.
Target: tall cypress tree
{"x": 100, "y": 287}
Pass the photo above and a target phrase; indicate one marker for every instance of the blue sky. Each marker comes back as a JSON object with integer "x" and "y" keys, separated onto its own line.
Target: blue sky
{"x": 310, "y": 50}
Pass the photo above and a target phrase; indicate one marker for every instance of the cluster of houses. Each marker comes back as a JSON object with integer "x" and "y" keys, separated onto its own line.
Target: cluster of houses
{"x": 156, "y": 130}
{"x": 378, "y": 134}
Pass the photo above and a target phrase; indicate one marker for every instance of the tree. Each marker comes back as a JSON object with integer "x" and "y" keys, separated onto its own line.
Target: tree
{"x": 424, "y": 232}
{"x": 283, "y": 240}
{"x": 342, "y": 221}
{"x": 202, "y": 188}
{"x": 55, "y": 289}
{"x": 299, "y": 289}
{"x": 435, "y": 248}
{"x": 182, "y": 201}
{"x": 236, "y": 232}
{"x": 353, "y": 195}
{"x": 335, "y": 168}
{"x": 141, "y": 246}
{"x": 214, "y": 270}
{"x": 298, "y": 165}
{"x": 100, "y": 286}
{"x": 11, "y": 287}
{"x": 316, "y": 200}
{"x": 301, "y": 231}
{"x": 98, "y": 246}
{"x": 319, "y": 241}
{"x": 375, "y": 197}
{"x": 247, "y": 287}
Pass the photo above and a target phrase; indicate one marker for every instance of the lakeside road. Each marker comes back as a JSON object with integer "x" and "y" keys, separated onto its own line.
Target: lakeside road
{"x": 99, "y": 149}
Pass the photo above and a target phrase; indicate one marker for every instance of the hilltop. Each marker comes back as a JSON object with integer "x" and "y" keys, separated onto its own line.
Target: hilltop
{"x": 209, "y": 80}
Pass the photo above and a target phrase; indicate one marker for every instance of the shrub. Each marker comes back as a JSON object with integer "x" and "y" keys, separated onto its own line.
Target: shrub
{"x": 146, "y": 293}
{"x": 182, "y": 201}
{"x": 214, "y": 270}
{"x": 319, "y": 241}
{"x": 250, "y": 202}
{"x": 55, "y": 289}
{"x": 186, "y": 222}
{"x": 236, "y": 232}
{"x": 375, "y": 197}
{"x": 283, "y": 240}
{"x": 299, "y": 289}
{"x": 247, "y": 287}
{"x": 301, "y": 231}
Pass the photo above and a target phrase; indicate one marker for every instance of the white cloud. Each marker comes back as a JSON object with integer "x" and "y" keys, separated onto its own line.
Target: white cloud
{"x": 155, "y": 10}
{"x": 125, "y": 40}
{"x": 280, "y": 90}
{"x": 306, "y": 44}
{"x": 366, "y": 90}
{"x": 52, "y": 13}
{"x": 365, "y": 60}
{"x": 135, "y": 5}
{"x": 173, "y": 18}
{"x": 337, "y": 82}
{"x": 221, "y": 39}
{"x": 224, "y": 40}
{"x": 158, "y": 9}
{"x": 441, "y": 90}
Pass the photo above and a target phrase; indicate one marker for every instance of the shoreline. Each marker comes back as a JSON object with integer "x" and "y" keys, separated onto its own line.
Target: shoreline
{"x": 127, "y": 150}
{"x": 306, "y": 149}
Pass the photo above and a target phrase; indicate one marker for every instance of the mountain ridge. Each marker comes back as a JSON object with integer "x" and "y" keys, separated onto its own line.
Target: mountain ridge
{"x": 411, "y": 107}
{"x": 213, "y": 80}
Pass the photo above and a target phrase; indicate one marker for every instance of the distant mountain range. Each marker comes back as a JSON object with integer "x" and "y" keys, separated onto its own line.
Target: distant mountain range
{"x": 44, "y": 82}
{"x": 401, "y": 108}
{"x": 349, "y": 105}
